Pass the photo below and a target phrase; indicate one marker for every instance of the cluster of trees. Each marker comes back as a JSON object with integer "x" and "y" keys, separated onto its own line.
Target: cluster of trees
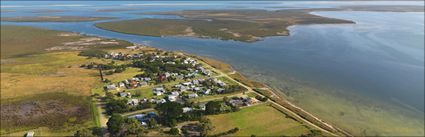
{"x": 231, "y": 131}
{"x": 169, "y": 113}
{"x": 261, "y": 98}
{"x": 217, "y": 107}
{"x": 121, "y": 106}
{"x": 121, "y": 126}
{"x": 89, "y": 132}
{"x": 172, "y": 112}
{"x": 159, "y": 66}
{"x": 109, "y": 68}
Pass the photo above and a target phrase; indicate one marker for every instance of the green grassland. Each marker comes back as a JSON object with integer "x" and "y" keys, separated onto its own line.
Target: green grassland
{"x": 53, "y": 19}
{"x": 260, "y": 120}
{"x": 239, "y": 25}
{"x": 45, "y": 91}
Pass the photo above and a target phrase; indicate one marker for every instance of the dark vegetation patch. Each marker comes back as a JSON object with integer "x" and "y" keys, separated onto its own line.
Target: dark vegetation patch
{"x": 57, "y": 111}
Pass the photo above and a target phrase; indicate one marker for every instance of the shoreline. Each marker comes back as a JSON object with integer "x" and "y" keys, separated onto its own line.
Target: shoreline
{"x": 277, "y": 98}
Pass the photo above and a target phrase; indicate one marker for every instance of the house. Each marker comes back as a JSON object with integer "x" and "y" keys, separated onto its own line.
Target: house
{"x": 167, "y": 74}
{"x": 121, "y": 85}
{"x": 183, "y": 88}
{"x": 193, "y": 95}
{"x": 124, "y": 94}
{"x": 158, "y": 91}
{"x": 206, "y": 92}
{"x": 175, "y": 93}
{"x": 178, "y": 85}
{"x": 111, "y": 87}
{"x": 195, "y": 82}
{"x": 187, "y": 109}
{"x": 160, "y": 101}
{"x": 187, "y": 83}
{"x": 144, "y": 118}
{"x": 152, "y": 100}
{"x": 143, "y": 83}
{"x": 236, "y": 102}
{"x": 196, "y": 89}
{"x": 179, "y": 76}
{"x": 220, "y": 90}
{"x": 133, "y": 102}
{"x": 30, "y": 134}
{"x": 172, "y": 98}
{"x": 202, "y": 106}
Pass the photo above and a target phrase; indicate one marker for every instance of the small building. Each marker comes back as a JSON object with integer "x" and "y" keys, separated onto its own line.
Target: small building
{"x": 30, "y": 134}
{"x": 206, "y": 92}
{"x": 187, "y": 109}
{"x": 111, "y": 87}
{"x": 172, "y": 98}
{"x": 133, "y": 102}
{"x": 175, "y": 93}
{"x": 160, "y": 101}
{"x": 193, "y": 95}
{"x": 220, "y": 90}
{"x": 123, "y": 94}
{"x": 121, "y": 85}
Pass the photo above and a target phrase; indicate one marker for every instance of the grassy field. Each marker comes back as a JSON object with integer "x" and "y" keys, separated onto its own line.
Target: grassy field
{"x": 260, "y": 120}
{"x": 53, "y": 19}
{"x": 239, "y": 25}
{"x": 45, "y": 91}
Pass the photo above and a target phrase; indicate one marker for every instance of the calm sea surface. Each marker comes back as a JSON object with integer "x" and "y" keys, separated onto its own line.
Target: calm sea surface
{"x": 379, "y": 61}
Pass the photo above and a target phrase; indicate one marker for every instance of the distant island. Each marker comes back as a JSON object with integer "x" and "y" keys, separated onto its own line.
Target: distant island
{"x": 53, "y": 18}
{"x": 238, "y": 25}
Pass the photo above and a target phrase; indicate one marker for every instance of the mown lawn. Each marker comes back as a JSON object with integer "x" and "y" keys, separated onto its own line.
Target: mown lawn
{"x": 260, "y": 120}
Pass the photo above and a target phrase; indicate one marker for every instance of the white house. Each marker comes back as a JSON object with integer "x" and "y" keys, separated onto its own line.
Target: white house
{"x": 187, "y": 109}
{"x": 30, "y": 134}
{"x": 111, "y": 87}
{"x": 193, "y": 95}
{"x": 172, "y": 98}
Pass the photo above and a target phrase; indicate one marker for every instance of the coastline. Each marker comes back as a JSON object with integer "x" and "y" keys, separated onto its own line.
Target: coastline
{"x": 276, "y": 97}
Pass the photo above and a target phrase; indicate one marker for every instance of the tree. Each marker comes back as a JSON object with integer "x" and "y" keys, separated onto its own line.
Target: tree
{"x": 115, "y": 124}
{"x": 206, "y": 126}
{"x": 83, "y": 133}
{"x": 132, "y": 127}
{"x": 116, "y": 106}
{"x": 97, "y": 131}
{"x": 174, "y": 131}
{"x": 152, "y": 123}
{"x": 213, "y": 107}
{"x": 169, "y": 112}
